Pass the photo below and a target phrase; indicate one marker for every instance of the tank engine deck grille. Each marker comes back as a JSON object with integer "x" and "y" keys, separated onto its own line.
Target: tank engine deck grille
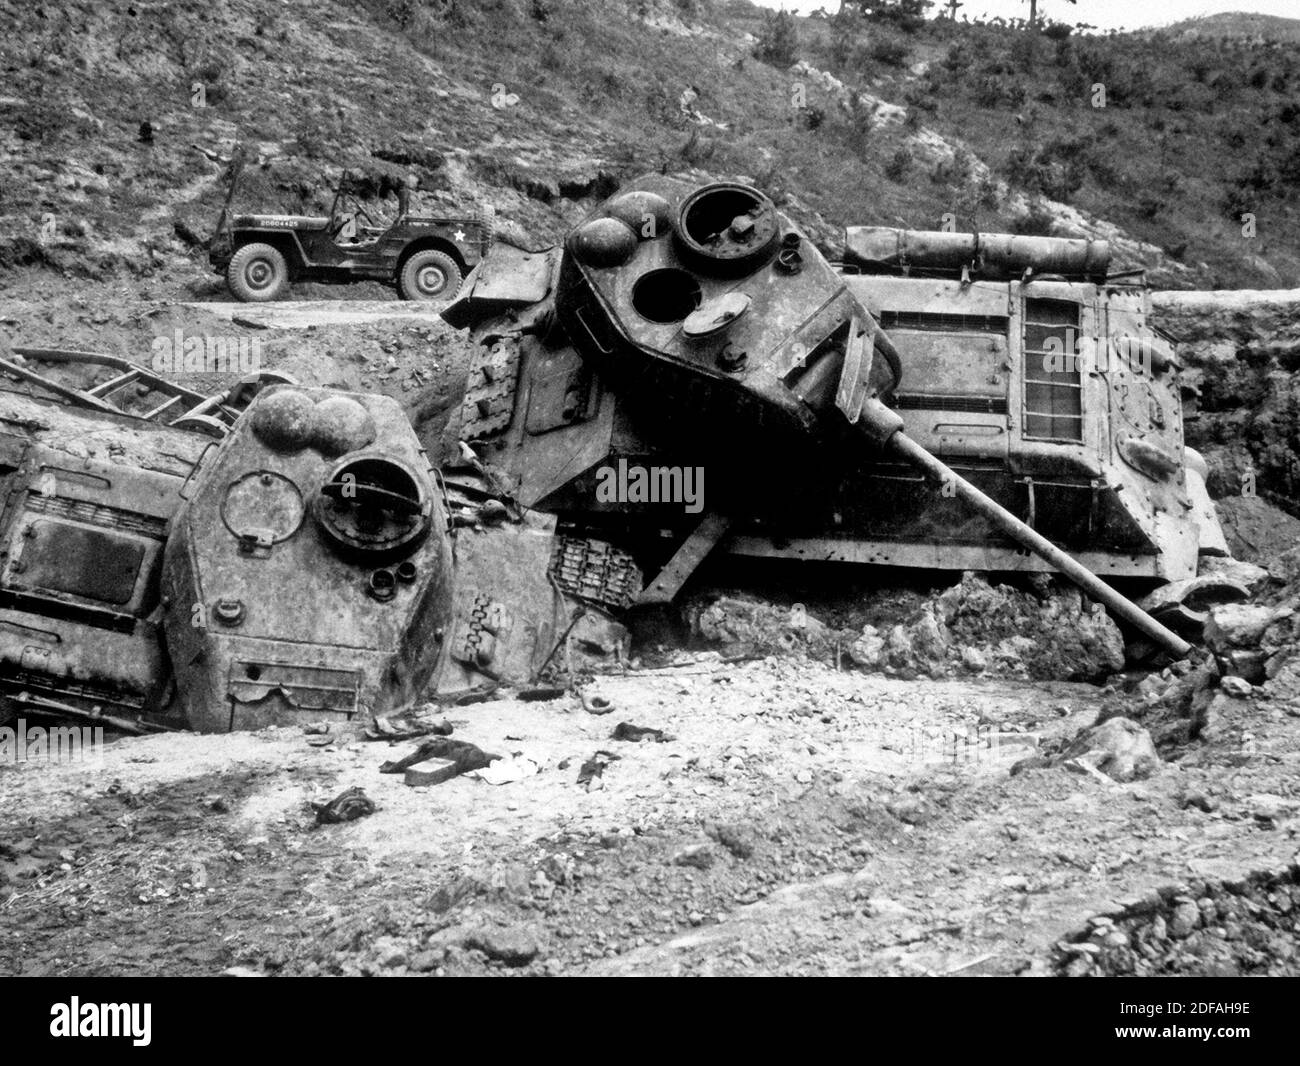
{"x": 939, "y": 322}
{"x": 933, "y": 401}
{"x": 1053, "y": 392}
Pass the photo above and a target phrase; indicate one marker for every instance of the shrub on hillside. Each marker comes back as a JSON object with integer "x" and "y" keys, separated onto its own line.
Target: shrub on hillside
{"x": 999, "y": 90}
{"x": 845, "y": 27}
{"x": 403, "y": 13}
{"x": 958, "y": 58}
{"x": 921, "y": 98}
{"x": 890, "y": 51}
{"x": 899, "y": 165}
{"x": 698, "y": 148}
{"x": 662, "y": 106}
{"x": 1034, "y": 221}
{"x": 778, "y": 41}
{"x": 41, "y": 119}
{"x": 954, "y": 171}
{"x": 1056, "y": 169}
{"x": 907, "y": 15}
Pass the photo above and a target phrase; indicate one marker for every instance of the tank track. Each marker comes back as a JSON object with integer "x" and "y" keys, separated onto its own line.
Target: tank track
{"x": 490, "y": 394}
{"x": 476, "y": 634}
{"x": 596, "y": 571}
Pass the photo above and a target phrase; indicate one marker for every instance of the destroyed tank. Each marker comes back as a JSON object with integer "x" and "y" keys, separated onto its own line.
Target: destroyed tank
{"x": 304, "y": 564}
{"x": 688, "y": 373}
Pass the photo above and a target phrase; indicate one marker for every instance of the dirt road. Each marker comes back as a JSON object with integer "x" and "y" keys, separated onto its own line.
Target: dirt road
{"x": 302, "y": 314}
{"x": 799, "y": 820}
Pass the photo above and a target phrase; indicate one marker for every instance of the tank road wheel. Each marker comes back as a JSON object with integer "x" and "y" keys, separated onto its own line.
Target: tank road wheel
{"x": 257, "y": 272}
{"x": 429, "y": 275}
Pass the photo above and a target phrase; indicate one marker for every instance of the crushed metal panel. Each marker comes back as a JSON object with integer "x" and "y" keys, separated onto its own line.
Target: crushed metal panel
{"x": 562, "y": 391}
{"x": 306, "y": 688}
{"x": 82, "y": 542}
{"x": 508, "y": 613}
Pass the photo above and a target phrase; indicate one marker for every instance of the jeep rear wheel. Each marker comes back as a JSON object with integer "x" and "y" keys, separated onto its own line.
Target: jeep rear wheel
{"x": 429, "y": 275}
{"x": 257, "y": 272}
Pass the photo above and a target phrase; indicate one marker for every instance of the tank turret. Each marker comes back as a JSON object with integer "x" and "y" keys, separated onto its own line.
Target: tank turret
{"x": 712, "y": 302}
{"x": 308, "y": 574}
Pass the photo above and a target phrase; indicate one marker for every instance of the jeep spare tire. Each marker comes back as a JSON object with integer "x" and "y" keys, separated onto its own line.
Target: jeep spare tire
{"x": 257, "y": 272}
{"x": 429, "y": 275}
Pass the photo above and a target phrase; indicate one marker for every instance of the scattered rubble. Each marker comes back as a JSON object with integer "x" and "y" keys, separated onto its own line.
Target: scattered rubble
{"x": 972, "y": 628}
{"x": 409, "y": 725}
{"x": 1119, "y": 748}
{"x": 594, "y": 704}
{"x": 507, "y": 771}
{"x": 1206, "y": 929}
{"x": 513, "y": 947}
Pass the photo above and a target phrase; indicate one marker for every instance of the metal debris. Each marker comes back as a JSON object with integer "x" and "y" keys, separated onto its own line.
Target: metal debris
{"x": 592, "y": 770}
{"x": 597, "y": 704}
{"x": 347, "y": 806}
{"x": 638, "y": 733}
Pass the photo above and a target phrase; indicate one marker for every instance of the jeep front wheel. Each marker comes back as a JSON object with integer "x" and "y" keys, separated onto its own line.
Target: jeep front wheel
{"x": 257, "y": 272}
{"x": 429, "y": 275}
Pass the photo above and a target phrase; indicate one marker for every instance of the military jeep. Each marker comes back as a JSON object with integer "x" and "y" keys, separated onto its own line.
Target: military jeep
{"x": 424, "y": 256}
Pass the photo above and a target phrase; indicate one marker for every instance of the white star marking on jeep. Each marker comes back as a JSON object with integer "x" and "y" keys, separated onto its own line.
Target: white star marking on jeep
{"x": 460, "y": 235}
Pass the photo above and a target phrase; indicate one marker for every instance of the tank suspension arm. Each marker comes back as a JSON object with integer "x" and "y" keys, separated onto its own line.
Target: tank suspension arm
{"x": 1002, "y": 519}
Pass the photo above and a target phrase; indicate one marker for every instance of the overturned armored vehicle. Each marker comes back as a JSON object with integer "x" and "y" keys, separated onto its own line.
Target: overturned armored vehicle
{"x": 1040, "y": 378}
{"x": 688, "y": 373}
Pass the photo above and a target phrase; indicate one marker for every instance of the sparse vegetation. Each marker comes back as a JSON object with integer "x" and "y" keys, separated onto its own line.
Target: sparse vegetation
{"x": 908, "y": 15}
{"x": 778, "y": 43}
{"x": 1194, "y": 132}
